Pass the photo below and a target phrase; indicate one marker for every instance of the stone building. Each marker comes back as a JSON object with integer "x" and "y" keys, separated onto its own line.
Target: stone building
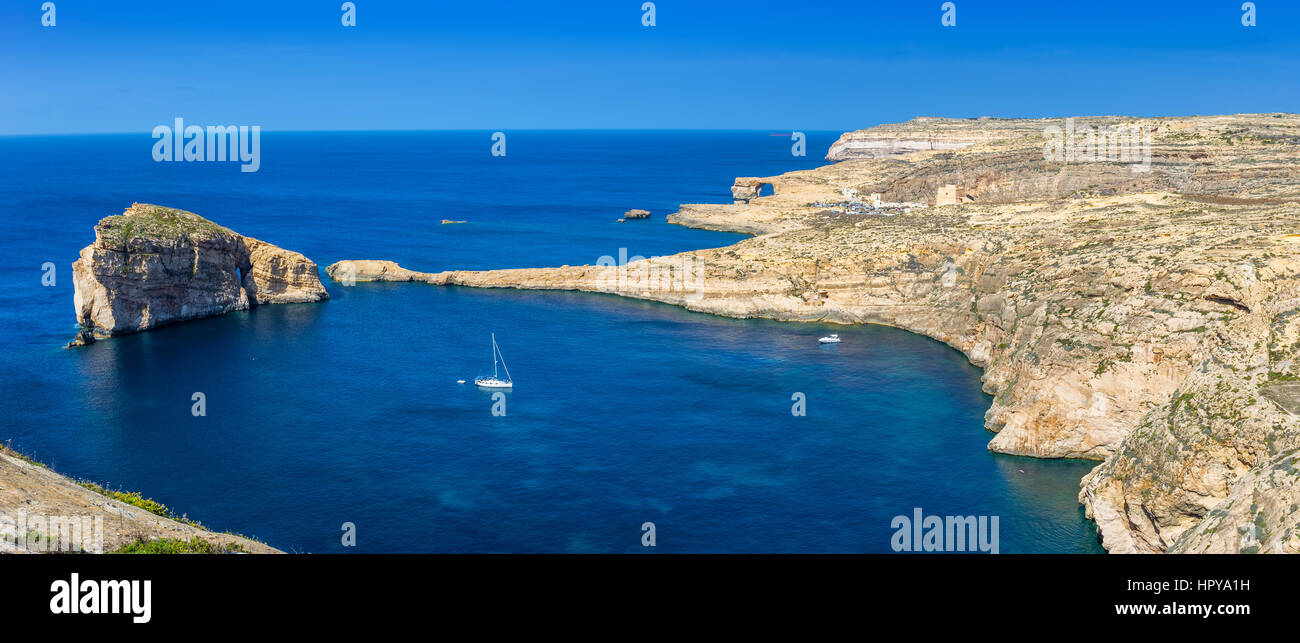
{"x": 947, "y": 195}
{"x": 950, "y": 195}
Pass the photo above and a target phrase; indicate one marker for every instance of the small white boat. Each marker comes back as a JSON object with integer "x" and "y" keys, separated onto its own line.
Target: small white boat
{"x": 495, "y": 380}
{"x": 460, "y": 381}
{"x": 830, "y": 339}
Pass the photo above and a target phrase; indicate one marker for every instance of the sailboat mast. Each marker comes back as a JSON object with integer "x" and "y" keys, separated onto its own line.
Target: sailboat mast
{"x": 494, "y": 355}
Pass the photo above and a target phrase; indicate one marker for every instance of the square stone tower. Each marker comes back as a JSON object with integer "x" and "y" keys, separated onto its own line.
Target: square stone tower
{"x": 947, "y": 195}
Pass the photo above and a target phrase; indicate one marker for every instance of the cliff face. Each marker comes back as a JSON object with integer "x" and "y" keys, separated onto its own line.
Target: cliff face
{"x": 277, "y": 276}
{"x": 152, "y": 265}
{"x": 924, "y": 134}
{"x": 1148, "y": 319}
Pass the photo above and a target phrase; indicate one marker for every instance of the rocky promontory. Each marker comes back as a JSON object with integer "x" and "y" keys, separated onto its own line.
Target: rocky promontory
{"x": 153, "y": 265}
{"x": 1141, "y": 312}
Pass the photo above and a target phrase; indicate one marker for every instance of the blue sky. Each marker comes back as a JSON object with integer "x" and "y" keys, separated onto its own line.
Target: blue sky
{"x": 126, "y": 66}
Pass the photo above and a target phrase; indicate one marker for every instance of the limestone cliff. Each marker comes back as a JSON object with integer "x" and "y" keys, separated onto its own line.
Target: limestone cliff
{"x": 1144, "y": 316}
{"x": 923, "y": 134}
{"x": 153, "y": 265}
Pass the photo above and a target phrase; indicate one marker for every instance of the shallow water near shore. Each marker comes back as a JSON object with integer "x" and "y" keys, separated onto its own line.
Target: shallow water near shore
{"x": 624, "y": 412}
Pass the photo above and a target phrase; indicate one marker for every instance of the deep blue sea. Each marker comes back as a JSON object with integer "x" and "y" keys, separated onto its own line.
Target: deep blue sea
{"x": 624, "y": 412}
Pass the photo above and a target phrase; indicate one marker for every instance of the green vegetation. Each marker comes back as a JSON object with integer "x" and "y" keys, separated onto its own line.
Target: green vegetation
{"x": 134, "y": 499}
{"x": 156, "y": 222}
{"x": 194, "y": 545}
{"x": 152, "y": 506}
{"x": 1070, "y": 344}
{"x": 8, "y": 450}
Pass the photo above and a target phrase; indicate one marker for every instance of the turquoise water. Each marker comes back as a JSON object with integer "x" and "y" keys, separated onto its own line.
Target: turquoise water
{"x": 624, "y": 412}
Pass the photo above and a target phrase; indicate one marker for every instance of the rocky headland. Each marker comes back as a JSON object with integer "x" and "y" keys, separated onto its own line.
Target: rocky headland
{"x": 1144, "y": 313}
{"x": 153, "y": 265}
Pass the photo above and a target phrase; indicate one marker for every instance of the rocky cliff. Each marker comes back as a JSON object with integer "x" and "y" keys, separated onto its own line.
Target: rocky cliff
{"x": 923, "y": 134}
{"x": 153, "y": 265}
{"x": 1146, "y": 315}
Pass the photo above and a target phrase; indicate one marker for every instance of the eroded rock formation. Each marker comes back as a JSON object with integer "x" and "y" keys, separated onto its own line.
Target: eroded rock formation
{"x": 153, "y": 265}
{"x": 747, "y": 188}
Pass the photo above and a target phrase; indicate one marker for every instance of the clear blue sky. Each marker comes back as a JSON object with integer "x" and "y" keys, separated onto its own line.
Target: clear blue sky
{"x": 126, "y": 66}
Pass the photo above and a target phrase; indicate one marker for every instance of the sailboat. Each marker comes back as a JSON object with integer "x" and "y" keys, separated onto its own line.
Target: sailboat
{"x": 495, "y": 380}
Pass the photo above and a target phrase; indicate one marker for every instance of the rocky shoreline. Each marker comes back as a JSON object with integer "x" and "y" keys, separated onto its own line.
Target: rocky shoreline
{"x": 1145, "y": 317}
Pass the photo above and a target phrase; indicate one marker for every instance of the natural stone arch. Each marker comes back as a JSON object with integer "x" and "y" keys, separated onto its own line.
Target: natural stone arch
{"x": 749, "y": 187}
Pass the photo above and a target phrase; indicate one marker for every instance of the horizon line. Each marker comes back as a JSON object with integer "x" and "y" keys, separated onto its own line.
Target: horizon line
{"x": 453, "y": 129}
{"x": 664, "y": 129}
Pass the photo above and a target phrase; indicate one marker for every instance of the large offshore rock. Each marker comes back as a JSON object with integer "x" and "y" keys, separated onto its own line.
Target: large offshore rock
{"x": 153, "y": 265}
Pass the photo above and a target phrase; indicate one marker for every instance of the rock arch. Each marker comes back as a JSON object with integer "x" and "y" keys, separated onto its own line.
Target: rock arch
{"x": 748, "y": 187}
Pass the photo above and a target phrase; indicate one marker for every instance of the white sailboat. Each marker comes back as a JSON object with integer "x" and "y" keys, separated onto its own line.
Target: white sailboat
{"x": 495, "y": 380}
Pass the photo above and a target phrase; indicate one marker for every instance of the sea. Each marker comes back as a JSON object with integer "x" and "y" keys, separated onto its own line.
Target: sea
{"x": 630, "y": 422}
